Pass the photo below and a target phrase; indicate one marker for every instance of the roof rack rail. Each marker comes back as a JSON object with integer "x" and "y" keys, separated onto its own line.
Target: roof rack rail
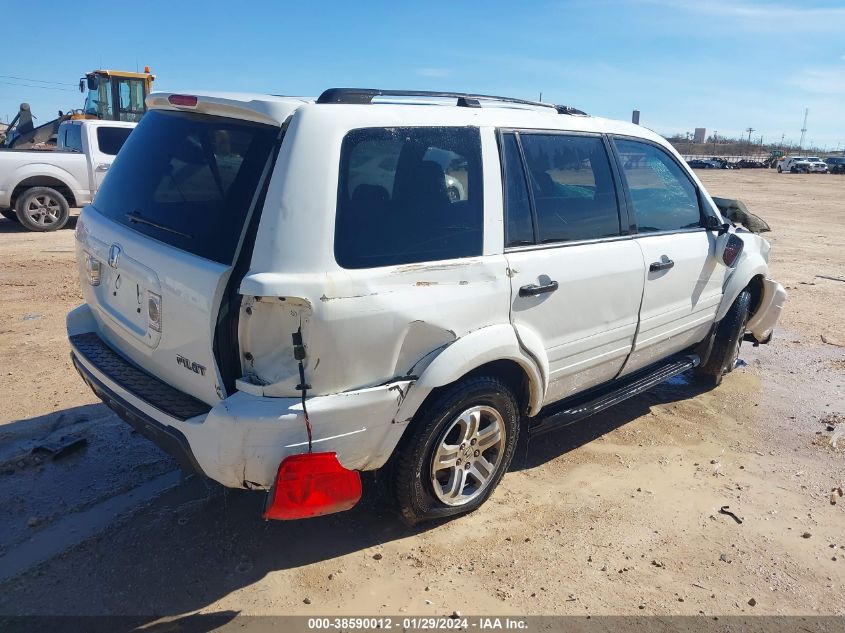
{"x": 466, "y": 100}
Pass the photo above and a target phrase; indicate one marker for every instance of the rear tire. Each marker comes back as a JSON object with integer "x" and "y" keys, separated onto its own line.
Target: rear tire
{"x": 728, "y": 339}
{"x": 9, "y": 214}
{"x": 42, "y": 209}
{"x": 456, "y": 451}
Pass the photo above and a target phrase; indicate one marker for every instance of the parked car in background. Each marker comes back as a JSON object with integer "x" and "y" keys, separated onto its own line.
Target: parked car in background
{"x": 283, "y": 292}
{"x": 724, "y": 163}
{"x": 802, "y": 165}
{"x": 703, "y": 163}
{"x": 817, "y": 165}
{"x": 835, "y": 164}
{"x": 747, "y": 163}
{"x": 38, "y": 187}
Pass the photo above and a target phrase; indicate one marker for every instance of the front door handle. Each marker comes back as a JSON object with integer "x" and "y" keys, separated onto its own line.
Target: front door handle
{"x": 663, "y": 264}
{"x": 532, "y": 290}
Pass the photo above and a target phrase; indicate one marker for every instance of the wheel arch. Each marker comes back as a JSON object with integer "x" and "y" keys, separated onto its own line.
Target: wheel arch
{"x": 494, "y": 351}
{"x": 43, "y": 181}
{"x": 749, "y": 274}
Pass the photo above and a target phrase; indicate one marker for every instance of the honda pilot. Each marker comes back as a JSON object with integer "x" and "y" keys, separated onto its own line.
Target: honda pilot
{"x": 284, "y": 292}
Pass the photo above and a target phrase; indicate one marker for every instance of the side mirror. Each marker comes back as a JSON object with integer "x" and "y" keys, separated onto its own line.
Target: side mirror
{"x": 711, "y": 223}
{"x": 93, "y": 82}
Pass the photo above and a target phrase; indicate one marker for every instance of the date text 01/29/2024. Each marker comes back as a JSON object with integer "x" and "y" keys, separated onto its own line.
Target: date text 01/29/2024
{"x": 417, "y": 623}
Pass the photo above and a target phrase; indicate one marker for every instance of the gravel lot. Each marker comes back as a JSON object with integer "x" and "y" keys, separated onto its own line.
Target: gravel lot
{"x": 616, "y": 515}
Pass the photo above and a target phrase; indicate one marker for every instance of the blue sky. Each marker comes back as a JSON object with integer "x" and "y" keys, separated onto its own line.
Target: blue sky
{"x": 720, "y": 64}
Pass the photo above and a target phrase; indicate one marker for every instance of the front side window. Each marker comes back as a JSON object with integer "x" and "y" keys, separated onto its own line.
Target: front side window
{"x": 572, "y": 187}
{"x": 664, "y": 197}
{"x": 409, "y": 195}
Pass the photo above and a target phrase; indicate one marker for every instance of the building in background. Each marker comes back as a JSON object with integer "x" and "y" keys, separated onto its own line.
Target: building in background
{"x": 700, "y": 135}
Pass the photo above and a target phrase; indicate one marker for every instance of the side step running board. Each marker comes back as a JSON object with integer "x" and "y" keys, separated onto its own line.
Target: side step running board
{"x": 595, "y": 400}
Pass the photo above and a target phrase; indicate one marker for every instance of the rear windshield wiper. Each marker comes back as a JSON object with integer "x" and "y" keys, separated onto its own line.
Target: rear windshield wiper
{"x": 137, "y": 218}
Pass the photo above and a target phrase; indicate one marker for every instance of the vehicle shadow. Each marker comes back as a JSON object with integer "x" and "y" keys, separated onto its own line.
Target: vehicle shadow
{"x": 199, "y": 542}
{"x": 536, "y": 451}
{"x": 11, "y": 226}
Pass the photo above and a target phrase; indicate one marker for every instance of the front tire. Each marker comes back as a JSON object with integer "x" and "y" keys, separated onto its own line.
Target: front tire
{"x": 728, "y": 339}
{"x": 457, "y": 450}
{"x": 42, "y": 209}
{"x": 779, "y": 169}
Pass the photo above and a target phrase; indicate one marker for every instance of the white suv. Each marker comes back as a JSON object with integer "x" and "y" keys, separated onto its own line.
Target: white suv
{"x": 283, "y": 292}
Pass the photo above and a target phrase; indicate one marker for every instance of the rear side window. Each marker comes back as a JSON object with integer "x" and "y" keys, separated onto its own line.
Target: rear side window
{"x": 663, "y": 195}
{"x": 111, "y": 139}
{"x": 72, "y": 138}
{"x": 572, "y": 187}
{"x": 188, "y": 180}
{"x": 409, "y": 195}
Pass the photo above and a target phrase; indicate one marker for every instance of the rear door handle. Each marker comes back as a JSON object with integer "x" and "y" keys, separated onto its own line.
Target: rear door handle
{"x": 532, "y": 290}
{"x": 664, "y": 264}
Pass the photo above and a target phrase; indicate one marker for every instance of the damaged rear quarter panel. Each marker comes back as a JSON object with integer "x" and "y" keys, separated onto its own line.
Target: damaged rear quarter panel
{"x": 364, "y": 328}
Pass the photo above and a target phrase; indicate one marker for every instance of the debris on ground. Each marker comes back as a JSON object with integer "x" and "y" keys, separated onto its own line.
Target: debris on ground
{"x": 726, "y": 510}
{"x": 831, "y": 341}
{"x": 66, "y": 445}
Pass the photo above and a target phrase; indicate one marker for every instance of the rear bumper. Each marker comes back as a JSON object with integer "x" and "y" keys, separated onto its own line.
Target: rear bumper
{"x": 167, "y": 438}
{"x": 764, "y": 319}
{"x": 241, "y": 440}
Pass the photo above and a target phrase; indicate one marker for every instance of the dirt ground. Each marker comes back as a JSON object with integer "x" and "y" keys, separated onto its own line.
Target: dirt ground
{"x": 616, "y": 515}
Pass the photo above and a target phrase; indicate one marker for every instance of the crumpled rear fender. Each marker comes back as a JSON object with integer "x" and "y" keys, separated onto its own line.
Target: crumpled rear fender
{"x": 485, "y": 345}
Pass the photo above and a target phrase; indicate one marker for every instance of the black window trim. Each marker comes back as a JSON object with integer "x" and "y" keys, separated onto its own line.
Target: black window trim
{"x": 699, "y": 195}
{"x": 622, "y": 206}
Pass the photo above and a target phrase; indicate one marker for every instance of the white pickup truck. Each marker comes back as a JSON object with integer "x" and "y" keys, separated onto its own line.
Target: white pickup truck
{"x": 38, "y": 187}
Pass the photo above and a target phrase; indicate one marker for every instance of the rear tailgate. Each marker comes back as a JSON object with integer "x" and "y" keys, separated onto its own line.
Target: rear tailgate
{"x": 163, "y": 233}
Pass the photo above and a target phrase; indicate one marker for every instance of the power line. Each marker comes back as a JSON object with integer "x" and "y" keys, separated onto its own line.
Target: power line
{"x": 37, "y": 81}
{"x": 11, "y": 83}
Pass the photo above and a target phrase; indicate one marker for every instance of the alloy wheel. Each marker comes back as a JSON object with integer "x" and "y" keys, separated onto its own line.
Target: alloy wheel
{"x": 467, "y": 455}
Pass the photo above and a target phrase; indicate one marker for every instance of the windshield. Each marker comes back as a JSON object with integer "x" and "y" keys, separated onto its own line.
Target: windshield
{"x": 188, "y": 180}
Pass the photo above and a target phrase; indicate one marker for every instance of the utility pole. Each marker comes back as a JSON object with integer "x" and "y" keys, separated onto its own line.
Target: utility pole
{"x": 749, "y": 130}
{"x": 803, "y": 129}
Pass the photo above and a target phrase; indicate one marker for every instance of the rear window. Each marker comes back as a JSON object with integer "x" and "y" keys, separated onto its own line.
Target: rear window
{"x": 111, "y": 139}
{"x": 71, "y": 138}
{"x": 409, "y": 195}
{"x": 188, "y": 180}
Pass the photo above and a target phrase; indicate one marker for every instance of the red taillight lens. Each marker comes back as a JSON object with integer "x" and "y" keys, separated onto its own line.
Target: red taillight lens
{"x": 733, "y": 249}
{"x": 183, "y": 100}
{"x": 311, "y": 485}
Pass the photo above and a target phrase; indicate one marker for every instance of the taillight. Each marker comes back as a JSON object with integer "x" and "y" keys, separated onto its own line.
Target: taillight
{"x": 733, "y": 249}
{"x": 93, "y": 267}
{"x": 154, "y": 311}
{"x": 310, "y": 485}
{"x": 183, "y": 100}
